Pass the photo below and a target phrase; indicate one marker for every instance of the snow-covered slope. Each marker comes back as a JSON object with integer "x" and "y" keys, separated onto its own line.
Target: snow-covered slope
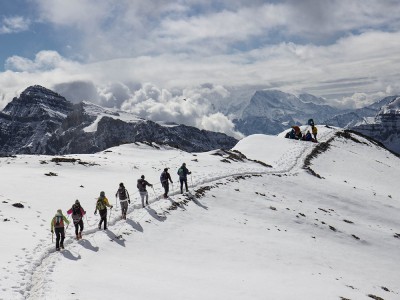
{"x": 245, "y": 231}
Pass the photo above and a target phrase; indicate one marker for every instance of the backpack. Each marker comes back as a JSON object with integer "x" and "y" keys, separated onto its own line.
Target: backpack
{"x": 163, "y": 177}
{"x": 122, "y": 193}
{"x": 100, "y": 204}
{"x": 310, "y": 122}
{"x": 76, "y": 209}
{"x": 141, "y": 185}
{"x": 58, "y": 221}
{"x": 180, "y": 172}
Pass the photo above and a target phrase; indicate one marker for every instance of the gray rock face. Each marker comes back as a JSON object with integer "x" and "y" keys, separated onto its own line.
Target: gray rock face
{"x": 43, "y": 122}
{"x": 28, "y": 122}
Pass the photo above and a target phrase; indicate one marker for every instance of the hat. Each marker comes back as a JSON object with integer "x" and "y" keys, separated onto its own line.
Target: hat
{"x": 59, "y": 212}
{"x": 166, "y": 169}
{"x": 121, "y": 184}
{"x": 184, "y": 164}
{"x": 102, "y": 194}
{"x": 142, "y": 176}
{"x": 76, "y": 201}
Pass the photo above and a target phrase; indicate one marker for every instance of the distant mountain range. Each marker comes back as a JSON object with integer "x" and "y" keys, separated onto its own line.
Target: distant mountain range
{"x": 41, "y": 121}
{"x": 272, "y": 111}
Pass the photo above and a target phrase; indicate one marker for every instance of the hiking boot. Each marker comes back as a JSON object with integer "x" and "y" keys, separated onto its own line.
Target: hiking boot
{"x": 105, "y": 228}
{"x": 57, "y": 249}
{"x": 62, "y": 246}
{"x": 80, "y": 235}
{"x": 77, "y": 237}
{"x": 99, "y": 226}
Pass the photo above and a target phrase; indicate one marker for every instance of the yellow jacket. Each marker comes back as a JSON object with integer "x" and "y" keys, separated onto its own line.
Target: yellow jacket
{"x": 314, "y": 130}
{"x": 102, "y": 203}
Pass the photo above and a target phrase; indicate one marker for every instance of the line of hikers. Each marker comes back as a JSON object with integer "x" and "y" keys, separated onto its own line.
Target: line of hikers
{"x": 77, "y": 211}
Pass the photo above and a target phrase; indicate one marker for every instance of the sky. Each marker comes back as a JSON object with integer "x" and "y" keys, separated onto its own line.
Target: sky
{"x": 254, "y": 231}
{"x": 125, "y": 53}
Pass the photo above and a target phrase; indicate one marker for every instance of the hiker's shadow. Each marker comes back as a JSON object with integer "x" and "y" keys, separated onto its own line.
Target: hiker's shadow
{"x": 198, "y": 203}
{"x": 155, "y": 215}
{"x": 114, "y": 238}
{"x": 86, "y": 244}
{"x": 135, "y": 225}
{"x": 69, "y": 255}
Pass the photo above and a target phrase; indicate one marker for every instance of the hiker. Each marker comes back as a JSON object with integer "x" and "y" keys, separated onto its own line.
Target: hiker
{"x": 141, "y": 185}
{"x": 101, "y": 206}
{"x": 296, "y": 133}
{"x": 124, "y": 199}
{"x": 183, "y": 172}
{"x": 77, "y": 212}
{"x": 307, "y": 136}
{"x": 57, "y": 225}
{"x": 165, "y": 178}
{"x": 314, "y": 132}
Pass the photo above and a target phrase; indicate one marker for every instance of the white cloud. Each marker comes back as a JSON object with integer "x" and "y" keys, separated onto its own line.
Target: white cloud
{"x": 180, "y": 45}
{"x": 44, "y": 60}
{"x": 219, "y": 123}
{"x": 14, "y": 25}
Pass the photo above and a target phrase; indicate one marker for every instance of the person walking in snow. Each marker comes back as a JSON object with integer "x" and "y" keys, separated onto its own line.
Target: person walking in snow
{"x": 183, "y": 172}
{"x": 124, "y": 199}
{"x": 57, "y": 226}
{"x": 141, "y": 185}
{"x": 165, "y": 178}
{"x": 77, "y": 217}
{"x": 101, "y": 206}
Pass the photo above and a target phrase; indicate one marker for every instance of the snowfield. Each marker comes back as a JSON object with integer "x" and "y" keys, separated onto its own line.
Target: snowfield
{"x": 245, "y": 230}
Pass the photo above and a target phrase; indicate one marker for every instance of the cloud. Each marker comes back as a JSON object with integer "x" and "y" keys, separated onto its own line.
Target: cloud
{"x": 44, "y": 60}
{"x": 192, "y": 107}
{"x": 219, "y": 123}
{"x": 339, "y": 50}
{"x": 14, "y": 25}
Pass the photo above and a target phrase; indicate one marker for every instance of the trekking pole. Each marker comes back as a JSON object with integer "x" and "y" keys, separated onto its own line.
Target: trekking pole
{"x": 52, "y": 235}
{"x": 115, "y": 201}
{"x": 191, "y": 180}
{"x": 109, "y": 217}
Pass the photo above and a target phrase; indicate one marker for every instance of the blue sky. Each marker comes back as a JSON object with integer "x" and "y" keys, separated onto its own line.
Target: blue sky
{"x": 116, "y": 52}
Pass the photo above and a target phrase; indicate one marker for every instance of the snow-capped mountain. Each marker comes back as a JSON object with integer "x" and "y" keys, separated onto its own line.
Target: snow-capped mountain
{"x": 272, "y": 111}
{"x": 43, "y": 122}
{"x": 355, "y": 117}
{"x": 379, "y": 121}
{"x": 320, "y": 222}
{"x": 28, "y": 122}
{"x": 385, "y": 126}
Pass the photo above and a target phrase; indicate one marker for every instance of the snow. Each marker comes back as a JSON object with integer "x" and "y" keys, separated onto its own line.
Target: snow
{"x": 100, "y": 112}
{"x": 257, "y": 233}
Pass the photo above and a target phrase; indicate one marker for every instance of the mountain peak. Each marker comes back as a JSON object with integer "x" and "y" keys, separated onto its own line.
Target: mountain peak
{"x": 38, "y": 102}
{"x": 38, "y": 90}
